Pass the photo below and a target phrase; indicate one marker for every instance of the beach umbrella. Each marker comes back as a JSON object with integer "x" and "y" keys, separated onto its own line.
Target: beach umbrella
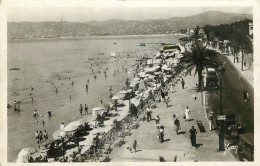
{"x": 96, "y": 110}
{"x": 151, "y": 77}
{"x": 126, "y": 88}
{"x": 115, "y": 98}
{"x": 136, "y": 79}
{"x": 122, "y": 92}
{"x": 24, "y": 154}
{"x": 141, "y": 74}
{"x": 179, "y": 56}
{"x": 129, "y": 90}
{"x": 72, "y": 126}
{"x": 58, "y": 135}
{"x": 83, "y": 121}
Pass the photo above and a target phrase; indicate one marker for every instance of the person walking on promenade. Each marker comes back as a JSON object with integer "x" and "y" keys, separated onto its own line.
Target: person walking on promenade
{"x": 142, "y": 104}
{"x": 81, "y": 109}
{"x": 161, "y": 133}
{"x": 157, "y": 120}
{"x": 193, "y": 133}
{"x": 177, "y": 125}
{"x": 162, "y": 96}
{"x": 182, "y": 83}
{"x": 86, "y": 109}
{"x": 149, "y": 113}
{"x": 135, "y": 145}
{"x": 187, "y": 112}
{"x": 171, "y": 88}
{"x": 49, "y": 112}
{"x": 87, "y": 87}
{"x": 245, "y": 95}
{"x": 101, "y": 101}
{"x": 194, "y": 96}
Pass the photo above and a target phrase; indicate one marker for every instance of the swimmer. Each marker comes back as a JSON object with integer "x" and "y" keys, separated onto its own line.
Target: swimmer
{"x": 43, "y": 123}
{"x": 56, "y": 90}
{"x": 72, "y": 83}
{"x": 30, "y": 94}
{"x": 32, "y": 99}
{"x": 35, "y": 113}
{"x": 70, "y": 97}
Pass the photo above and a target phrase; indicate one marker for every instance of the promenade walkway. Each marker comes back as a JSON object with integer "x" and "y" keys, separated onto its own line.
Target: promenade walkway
{"x": 175, "y": 146}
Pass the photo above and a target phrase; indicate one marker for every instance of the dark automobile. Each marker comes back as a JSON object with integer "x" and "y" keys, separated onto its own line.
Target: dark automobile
{"x": 211, "y": 78}
{"x": 246, "y": 147}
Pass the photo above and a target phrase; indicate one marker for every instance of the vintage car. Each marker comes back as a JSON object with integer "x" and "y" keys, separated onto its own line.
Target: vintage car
{"x": 246, "y": 147}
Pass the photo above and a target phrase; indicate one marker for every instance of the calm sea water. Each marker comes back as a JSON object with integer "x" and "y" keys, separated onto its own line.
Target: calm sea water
{"x": 55, "y": 61}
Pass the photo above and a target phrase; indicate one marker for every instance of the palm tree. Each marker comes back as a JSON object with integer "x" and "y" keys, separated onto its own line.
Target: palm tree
{"x": 199, "y": 58}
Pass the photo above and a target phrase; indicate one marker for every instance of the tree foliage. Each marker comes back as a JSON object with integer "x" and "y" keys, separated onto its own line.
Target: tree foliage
{"x": 199, "y": 58}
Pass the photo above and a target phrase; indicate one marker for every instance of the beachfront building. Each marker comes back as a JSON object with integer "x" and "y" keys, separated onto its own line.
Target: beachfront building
{"x": 251, "y": 31}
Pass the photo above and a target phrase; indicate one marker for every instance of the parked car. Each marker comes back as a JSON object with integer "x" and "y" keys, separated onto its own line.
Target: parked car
{"x": 211, "y": 78}
{"x": 246, "y": 146}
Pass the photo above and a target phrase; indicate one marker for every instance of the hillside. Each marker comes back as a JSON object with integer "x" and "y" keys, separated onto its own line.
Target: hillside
{"x": 118, "y": 27}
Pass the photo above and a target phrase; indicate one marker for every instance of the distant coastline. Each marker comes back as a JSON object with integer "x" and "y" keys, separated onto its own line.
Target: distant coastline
{"x": 96, "y": 37}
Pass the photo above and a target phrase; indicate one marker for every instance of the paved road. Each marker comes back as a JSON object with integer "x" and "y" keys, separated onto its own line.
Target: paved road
{"x": 233, "y": 103}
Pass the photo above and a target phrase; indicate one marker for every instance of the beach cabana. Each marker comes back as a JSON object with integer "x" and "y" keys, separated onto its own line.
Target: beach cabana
{"x": 24, "y": 154}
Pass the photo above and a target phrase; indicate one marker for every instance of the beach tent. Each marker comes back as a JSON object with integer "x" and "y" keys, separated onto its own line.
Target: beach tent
{"x": 24, "y": 154}
{"x": 58, "y": 135}
{"x": 72, "y": 126}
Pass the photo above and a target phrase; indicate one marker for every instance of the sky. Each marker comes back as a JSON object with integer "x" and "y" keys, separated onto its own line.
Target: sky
{"x": 84, "y": 14}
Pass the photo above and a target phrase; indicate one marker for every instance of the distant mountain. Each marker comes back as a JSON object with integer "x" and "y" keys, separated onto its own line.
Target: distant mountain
{"x": 119, "y": 27}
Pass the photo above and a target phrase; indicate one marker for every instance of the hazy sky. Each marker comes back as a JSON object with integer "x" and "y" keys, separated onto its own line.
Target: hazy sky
{"x": 39, "y": 14}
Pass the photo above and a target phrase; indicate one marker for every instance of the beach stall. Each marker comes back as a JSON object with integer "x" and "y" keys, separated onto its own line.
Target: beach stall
{"x": 25, "y": 154}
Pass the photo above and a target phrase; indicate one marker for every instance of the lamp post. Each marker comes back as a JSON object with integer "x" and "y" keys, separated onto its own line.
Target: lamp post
{"x": 222, "y": 127}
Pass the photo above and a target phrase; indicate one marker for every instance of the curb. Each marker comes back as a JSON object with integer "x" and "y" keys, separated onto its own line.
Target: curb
{"x": 236, "y": 69}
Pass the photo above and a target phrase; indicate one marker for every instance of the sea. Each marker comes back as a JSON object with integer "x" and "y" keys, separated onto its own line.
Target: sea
{"x": 47, "y": 64}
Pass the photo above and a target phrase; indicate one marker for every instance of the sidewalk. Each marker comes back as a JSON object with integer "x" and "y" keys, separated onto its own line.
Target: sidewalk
{"x": 247, "y": 74}
{"x": 179, "y": 146}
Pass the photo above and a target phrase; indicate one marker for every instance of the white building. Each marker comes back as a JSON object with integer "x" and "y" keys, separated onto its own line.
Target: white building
{"x": 250, "y": 28}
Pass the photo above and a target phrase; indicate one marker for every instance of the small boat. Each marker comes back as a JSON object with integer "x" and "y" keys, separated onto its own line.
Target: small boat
{"x": 141, "y": 44}
{"x": 101, "y": 53}
{"x": 115, "y": 43}
{"x": 113, "y": 54}
{"x": 14, "y": 68}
